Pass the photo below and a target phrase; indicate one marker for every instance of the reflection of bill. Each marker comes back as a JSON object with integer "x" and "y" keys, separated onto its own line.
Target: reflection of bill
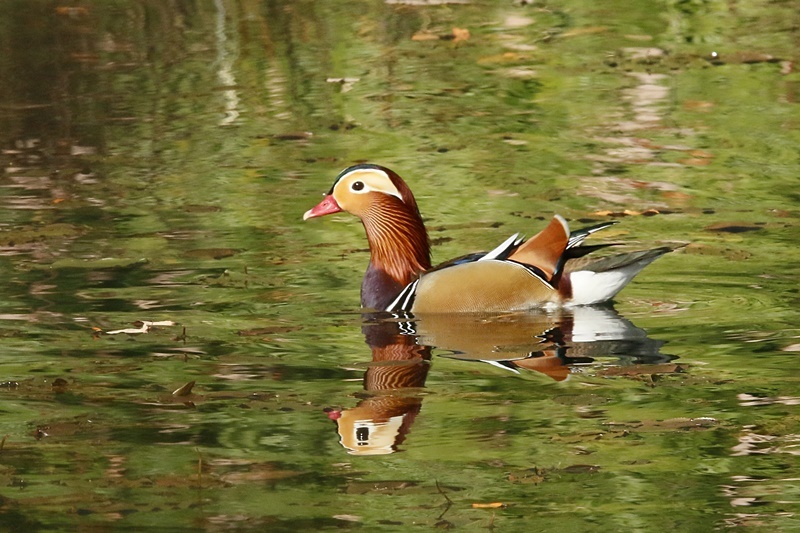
{"x": 549, "y": 343}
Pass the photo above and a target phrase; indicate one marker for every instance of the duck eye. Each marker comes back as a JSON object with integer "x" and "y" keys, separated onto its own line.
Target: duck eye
{"x": 357, "y": 186}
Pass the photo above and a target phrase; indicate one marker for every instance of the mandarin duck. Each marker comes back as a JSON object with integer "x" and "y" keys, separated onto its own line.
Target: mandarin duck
{"x": 549, "y": 270}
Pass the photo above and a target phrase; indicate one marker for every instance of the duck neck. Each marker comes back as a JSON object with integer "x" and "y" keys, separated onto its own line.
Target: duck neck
{"x": 399, "y": 253}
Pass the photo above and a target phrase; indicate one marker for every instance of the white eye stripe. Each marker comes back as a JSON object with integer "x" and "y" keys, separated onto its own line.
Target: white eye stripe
{"x": 370, "y": 180}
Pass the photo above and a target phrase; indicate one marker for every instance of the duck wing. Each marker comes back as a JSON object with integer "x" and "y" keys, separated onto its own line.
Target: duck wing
{"x": 545, "y": 249}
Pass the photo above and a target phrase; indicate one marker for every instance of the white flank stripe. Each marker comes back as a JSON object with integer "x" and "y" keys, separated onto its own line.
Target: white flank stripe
{"x": 500, "y": 249}
{"x": 404, "y": 295}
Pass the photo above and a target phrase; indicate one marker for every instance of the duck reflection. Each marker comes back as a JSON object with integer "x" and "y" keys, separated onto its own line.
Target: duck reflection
{"x": 551, "y": 343}
{"x": 397, "y": 372}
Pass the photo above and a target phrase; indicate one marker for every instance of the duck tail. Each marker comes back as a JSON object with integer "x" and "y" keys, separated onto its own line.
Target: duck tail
{"x": 598, "y": 281}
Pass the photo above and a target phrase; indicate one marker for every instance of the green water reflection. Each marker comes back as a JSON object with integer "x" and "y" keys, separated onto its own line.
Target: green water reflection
{"x": 157, "y": 159}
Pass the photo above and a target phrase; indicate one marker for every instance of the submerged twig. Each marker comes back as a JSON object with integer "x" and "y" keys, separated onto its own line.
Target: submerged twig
{"x": 443, "y": 493}
{"x": 182, "y": 336}
{"x": 199, "y": 468}
{"x": 448, "y": 503}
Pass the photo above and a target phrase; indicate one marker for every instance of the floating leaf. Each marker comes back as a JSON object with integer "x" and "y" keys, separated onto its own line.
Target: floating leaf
{"x": 460, "y": 35}
{"x": 627, "y": 213}
{"x": 493, "y": 505}
{"x": 184, "y": 390}
{"x": 694, "y": 161}
{"x": 424, "y": 36}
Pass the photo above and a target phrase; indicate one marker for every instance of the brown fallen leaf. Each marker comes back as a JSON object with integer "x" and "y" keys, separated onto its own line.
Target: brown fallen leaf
{"x": 627, "y": 213}
{"x": 460, "y": 35}
{"x": 676, "y": 195}
{"x": 694, "y": 161}
{"x": 424, "y": 36}
{"x": 701, "y": 153}
{"x": 493, "y": 505}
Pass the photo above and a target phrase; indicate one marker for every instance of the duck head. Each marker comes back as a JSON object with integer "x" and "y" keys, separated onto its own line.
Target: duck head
{"x": 364, "y": 190}
{"x": 398, "y": 241}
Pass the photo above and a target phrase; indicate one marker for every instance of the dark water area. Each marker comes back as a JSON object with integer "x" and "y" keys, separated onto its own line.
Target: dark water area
{"x": 181, "y": 352}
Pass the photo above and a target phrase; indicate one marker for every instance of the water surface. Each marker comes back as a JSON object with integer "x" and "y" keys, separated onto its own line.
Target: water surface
{"x": 158, "y": 159}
